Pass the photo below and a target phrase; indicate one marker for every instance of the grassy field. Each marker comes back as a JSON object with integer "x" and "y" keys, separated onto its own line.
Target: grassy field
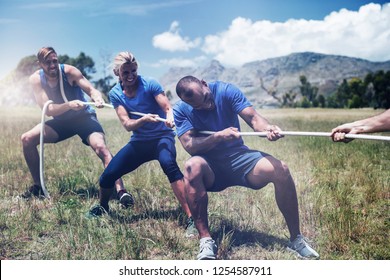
{"x": 343, "y": 191}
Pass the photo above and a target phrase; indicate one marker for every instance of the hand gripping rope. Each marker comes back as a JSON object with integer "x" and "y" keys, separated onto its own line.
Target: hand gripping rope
{"x": 306, "y": 133}
{"x": 134, "y": 113}
{"x": 284, "y": 133}
{"x": 259, "y": 134}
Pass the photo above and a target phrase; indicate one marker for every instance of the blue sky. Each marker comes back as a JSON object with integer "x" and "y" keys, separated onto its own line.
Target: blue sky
{"x": 164, "y": 34}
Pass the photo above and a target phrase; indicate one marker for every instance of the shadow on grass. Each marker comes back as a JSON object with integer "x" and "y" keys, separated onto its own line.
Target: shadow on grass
{"x": 229, "y": 236}
{"x": 248, "y": 237}
{"x": 173, "y": 214}
{"x": 238, "y": 237}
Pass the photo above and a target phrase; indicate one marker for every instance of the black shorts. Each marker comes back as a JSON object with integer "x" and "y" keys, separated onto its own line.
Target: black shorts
{"x": 232, "y": 169}
{"x": 81, "y": 126}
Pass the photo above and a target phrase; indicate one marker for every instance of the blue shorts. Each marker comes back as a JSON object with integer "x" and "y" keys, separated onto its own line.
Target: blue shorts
{"x": 232, "y": 169}
{"x": 82, "y": 126}
{"x": 135, "y": 153}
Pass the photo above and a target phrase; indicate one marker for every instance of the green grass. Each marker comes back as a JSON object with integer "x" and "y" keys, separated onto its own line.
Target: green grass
{"x": 343, "y": 192}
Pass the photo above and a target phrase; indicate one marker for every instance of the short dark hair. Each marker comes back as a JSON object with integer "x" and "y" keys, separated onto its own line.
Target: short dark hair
{"x": 182, "y": 84}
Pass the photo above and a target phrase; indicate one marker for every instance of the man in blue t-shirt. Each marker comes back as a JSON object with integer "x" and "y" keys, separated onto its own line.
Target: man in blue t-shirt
{"x": 221, "y": 159}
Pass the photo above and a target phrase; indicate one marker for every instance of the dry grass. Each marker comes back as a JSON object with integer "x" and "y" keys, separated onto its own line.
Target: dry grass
{"x": 343, "y": 192}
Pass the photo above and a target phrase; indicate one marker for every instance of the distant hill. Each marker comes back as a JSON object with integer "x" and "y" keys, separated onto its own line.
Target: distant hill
{"x": 280, "y": 74}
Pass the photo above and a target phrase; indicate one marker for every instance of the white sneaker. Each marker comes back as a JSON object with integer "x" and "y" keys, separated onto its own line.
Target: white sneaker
{"x": 300, "y": 246}
{"x": 207, "y": 249}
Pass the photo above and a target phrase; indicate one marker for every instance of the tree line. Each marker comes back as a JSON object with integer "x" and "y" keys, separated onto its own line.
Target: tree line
{"x": 372, "y": 91}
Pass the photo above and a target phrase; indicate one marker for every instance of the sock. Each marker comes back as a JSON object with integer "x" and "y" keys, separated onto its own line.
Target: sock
{"x": 121, "y": 192}
{"x": 205, "y": 239}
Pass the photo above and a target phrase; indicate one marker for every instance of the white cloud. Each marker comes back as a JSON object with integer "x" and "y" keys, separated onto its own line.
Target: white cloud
{"x": 364, "y": 33}
{"x": 172, "y": 41}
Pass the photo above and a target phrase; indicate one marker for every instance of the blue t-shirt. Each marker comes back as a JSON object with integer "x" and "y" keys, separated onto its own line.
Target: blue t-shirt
{"x": 143, "y": 102}
{"x": 71, "y": 93}
{"x": 229, "y": 102}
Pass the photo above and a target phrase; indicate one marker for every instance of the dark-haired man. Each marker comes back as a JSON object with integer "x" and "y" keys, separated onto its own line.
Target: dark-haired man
{"x": 222, "y": 160}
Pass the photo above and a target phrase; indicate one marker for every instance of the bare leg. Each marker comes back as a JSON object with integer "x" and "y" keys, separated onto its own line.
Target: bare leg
{"x": 178, "y": 188}
{"x": 197, "y": 176}
{"x": 269, "y": 169}
{"x": 30, "y": 141}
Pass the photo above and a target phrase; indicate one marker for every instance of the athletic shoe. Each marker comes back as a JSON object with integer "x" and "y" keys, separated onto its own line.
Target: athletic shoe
{"x": 97, "y": 211}
{"x": 207, "y": 249}
{"x": 191, "y": 230}
{"x": 34, "y": 190}
{"x": 125, "y": 199}
{"x": 302, "y": 249}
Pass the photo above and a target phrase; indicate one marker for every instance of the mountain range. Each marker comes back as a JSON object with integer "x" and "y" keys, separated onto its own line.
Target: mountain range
{"x": 257, "y": 79}
{"x": 279, "y": 75}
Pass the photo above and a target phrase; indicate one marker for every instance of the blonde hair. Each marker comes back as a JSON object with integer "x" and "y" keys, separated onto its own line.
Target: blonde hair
{"x": 123, "y": 58}
{"x": 44, "y": 52}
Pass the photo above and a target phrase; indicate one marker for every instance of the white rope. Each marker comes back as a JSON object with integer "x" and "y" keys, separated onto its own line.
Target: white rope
{"x": 104, "y": 104}
{"x": 41, "y": 137}
{"x": 259, "y": 134}
{"x": 142, "y": 114}
{"x": 306, "y": 133}
{"x": 134, "y": 113}
{"x": 62, "y": 84}
{"x": 41, "y": 144}
{"x": 284, "y": 133}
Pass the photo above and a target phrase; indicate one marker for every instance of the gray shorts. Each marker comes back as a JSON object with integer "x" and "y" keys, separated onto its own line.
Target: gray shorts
{"x": 232, "y": 170}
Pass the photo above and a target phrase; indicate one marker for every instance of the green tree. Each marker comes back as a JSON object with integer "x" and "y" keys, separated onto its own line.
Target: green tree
{"x": 357, "y": 93}
{"x": 381, "y": 83}
{"x": 372, "y": 91}
{"x": 342, "y": 95}
{"x": 305, "y": 103}
{"x": 104, "y": 85}
{"x": 288, "y": 99}
{"x": 308, "y": 91}
{"x": 83, "y": 62}
{"x": 321, "y": 101}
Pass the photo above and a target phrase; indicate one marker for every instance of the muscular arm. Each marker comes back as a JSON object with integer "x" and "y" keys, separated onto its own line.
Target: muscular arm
{"x": 75, "y": 76}
{"x": 260, "y": 124}
{"x": 41, "y": 98}
{"x": 195, "y": 143}
{"x": 133, "y": 124}
{"x": 163, "y": 102}
{"x": 376, "y": 123}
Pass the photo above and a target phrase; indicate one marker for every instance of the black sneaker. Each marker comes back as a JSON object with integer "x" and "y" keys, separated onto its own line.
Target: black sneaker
{"x": 97, "y": 211}
{"x": 125, "y": 199}
{"x": 34, "y": 190}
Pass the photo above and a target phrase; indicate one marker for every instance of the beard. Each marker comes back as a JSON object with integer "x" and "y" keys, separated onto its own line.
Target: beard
{"x": 52, "y": 73}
